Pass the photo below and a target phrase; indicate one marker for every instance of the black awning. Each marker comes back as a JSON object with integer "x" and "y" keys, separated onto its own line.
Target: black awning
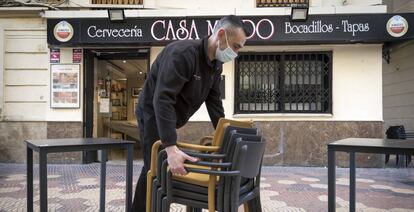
{"x": 264, "y": 30}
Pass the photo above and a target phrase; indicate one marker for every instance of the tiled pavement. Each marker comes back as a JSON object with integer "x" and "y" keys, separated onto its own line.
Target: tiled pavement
{"x": 76, "y": 188}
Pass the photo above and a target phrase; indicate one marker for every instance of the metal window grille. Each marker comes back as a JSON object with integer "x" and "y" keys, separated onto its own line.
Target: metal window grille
{"x": 281, "y": 3}
{"x": 284, "y": 82}
{"x": 121, "y": 2}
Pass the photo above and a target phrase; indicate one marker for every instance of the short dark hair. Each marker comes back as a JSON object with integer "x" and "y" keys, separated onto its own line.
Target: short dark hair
{"x": 230, "y": 21}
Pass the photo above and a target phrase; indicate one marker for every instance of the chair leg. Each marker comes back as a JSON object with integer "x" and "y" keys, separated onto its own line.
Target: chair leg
{"x": 254, "y": 205}
{"x": 246, "y": 207}
{"x": 397, "y": 160}
{"x": 149, "y": 192}
{"x": 258, "y": 204}
{"x": 191, "y": 209}
{"x": 159, "y": 200}
{"x": 154, "y": 203}
{"x": 165, "y": 205}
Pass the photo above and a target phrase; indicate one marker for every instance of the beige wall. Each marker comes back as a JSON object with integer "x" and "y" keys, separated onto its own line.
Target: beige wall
{"x": 398, "y": 77}
{"x": 1, "y": 71}
{"x": 399, "y": 87}
{"x": 399, "y": 6}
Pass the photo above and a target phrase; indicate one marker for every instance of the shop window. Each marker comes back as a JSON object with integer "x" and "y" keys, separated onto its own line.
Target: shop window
{"x": 281, "y": 3}
{"x": 283, "y": 82}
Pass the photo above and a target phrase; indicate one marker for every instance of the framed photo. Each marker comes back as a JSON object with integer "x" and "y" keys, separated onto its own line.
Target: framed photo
{"x": 116, "y": 102}
{"x": 135, "y": 91}
{"x": 64, "y": 86}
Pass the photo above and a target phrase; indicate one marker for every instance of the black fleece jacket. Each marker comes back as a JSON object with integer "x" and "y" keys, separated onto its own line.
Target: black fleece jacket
{"x": 181, "y": 78}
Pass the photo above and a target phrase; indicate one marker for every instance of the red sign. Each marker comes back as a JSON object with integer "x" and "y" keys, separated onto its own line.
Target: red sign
{"x": 54, "y": 55}
{"x": 77, "y": 55}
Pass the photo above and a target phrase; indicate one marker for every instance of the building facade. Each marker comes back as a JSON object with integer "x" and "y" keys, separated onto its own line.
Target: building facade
{"x": 304, "y": 84}
{"x": 398, "y": 76}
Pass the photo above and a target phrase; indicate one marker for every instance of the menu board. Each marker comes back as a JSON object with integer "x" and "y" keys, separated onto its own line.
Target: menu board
{"x": 64, "y": 86}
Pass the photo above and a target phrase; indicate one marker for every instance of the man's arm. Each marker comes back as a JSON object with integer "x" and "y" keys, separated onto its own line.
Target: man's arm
{"x": 174, "y": 71}
{"x": 213, "y": 102}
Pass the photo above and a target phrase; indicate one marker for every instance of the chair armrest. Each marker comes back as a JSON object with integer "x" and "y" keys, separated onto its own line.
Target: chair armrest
{"x": 210, "y": 164}
{"x": 204, "y": 155}
{"x": 214, "y": 172}
{"x": 198, "y": 147}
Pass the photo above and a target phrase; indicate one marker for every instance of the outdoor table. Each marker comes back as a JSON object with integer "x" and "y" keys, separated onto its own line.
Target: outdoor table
{"x": 362, "y": 145}
{"x": 45, "y": 146}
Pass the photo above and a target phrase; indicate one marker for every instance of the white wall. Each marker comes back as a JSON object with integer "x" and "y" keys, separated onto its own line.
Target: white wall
{"x": 357, "y": 84}
{"x": 25, "y": 69}
{"x": 180, "y": 8}
{"x": 27, "y": 73}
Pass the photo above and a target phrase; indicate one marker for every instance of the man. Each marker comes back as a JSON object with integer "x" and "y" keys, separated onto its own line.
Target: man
{"x": 184, "y": 76}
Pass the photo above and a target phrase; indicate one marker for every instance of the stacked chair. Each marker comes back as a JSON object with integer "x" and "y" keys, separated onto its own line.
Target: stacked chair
{"x": 226, "y": 176}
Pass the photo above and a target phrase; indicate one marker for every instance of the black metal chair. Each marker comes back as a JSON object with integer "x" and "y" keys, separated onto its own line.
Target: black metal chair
{"x": 398, "y": 132}
{"x": 214, "y": 146}
{"x": 236, "y": 178}
{"x": 159, "y": 191}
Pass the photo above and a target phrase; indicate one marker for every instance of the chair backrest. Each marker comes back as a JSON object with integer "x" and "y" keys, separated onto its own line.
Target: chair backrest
{"x": 248, "y": 157}
{"x": 234, "y": 139}
{"x": 230, "y": 130}
{"x": 221, "y": 126}
{"x": 396, "y": 132}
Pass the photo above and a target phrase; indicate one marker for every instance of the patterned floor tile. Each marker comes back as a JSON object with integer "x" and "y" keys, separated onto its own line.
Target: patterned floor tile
{"x": 76, "y": 188}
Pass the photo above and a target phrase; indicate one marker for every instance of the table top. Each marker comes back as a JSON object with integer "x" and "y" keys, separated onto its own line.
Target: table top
{"x": 68, "y": 142}
{"x": 126, "y": 127}
{"x": 374, "y": 143}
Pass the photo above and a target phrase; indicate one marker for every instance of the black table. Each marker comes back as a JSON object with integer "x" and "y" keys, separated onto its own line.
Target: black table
{"x": 363, "y": 145}
{"x": 75, "y": 144}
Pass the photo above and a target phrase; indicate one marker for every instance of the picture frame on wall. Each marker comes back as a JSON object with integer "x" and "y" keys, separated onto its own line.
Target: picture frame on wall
{"x": 116, "y": 102}
{"x": 135, "y": 91}
{"x": 64, "y": 85}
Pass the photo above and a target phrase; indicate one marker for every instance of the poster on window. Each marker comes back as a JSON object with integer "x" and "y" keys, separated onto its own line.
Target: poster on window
{"x": 64, "y": 85}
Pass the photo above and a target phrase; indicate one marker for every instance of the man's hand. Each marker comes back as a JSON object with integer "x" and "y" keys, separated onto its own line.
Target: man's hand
{"x": 176, "y": 159}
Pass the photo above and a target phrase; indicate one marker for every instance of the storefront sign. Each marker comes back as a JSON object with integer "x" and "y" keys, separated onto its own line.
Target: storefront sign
{"x": 54, "y": 55}
{"x": 263, "y": 30}
{"x": 64, "y": 86}
{"x": 76, "y": 55}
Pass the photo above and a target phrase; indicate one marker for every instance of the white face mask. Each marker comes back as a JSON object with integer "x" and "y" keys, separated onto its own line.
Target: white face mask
{"x": 227, "y": 54}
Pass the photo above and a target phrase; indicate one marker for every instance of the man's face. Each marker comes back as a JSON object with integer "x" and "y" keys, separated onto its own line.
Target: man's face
{"x": 236, "y": 39}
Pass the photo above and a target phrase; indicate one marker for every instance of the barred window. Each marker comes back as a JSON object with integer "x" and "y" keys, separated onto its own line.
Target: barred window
{"x": 284, "y": 82}
{"x": 281, "y": 3}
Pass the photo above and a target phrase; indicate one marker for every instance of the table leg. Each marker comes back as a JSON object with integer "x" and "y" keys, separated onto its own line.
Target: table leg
{"x": 352, "y": 181}
{"x": 29, "y": 178}
{"x": 103, "y": 181}
{"x": 43, "y": 180}
{"x": 331, "y": 180}
{"x": 129, "y": 170}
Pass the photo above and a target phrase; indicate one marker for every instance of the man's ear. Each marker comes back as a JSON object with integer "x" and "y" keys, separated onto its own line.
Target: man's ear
{"x": 220, "y": 33}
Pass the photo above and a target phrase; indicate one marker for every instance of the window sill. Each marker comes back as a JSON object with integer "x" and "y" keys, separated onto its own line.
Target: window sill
{"x": 283, "y": 115}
